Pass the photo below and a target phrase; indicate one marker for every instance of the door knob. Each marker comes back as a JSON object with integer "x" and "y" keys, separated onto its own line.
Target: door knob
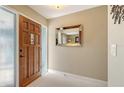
{"x": 20, "y": 50}
{"x": 21, "y": 56}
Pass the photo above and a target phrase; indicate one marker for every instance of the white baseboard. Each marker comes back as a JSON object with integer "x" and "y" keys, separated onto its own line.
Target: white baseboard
{"x": 82, "y": 78}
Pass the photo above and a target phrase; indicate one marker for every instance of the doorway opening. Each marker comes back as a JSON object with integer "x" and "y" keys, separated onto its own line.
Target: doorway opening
{"x": 44, "y": 63}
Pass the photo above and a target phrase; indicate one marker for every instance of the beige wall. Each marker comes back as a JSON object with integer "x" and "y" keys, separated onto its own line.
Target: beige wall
{"x": 89, "y": 60}
{"x": 30, "y": 13}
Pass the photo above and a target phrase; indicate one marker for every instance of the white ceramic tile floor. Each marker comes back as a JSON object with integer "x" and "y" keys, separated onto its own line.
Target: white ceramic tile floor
{"x": 57, "y": 80}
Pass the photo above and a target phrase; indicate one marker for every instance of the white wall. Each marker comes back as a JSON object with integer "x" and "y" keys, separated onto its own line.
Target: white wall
{"x": 115, "y": 63}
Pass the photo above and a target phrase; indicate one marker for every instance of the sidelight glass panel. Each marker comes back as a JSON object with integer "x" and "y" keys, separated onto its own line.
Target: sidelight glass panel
{"x": 7, "y": 48}
{"x": 44, "y": 50}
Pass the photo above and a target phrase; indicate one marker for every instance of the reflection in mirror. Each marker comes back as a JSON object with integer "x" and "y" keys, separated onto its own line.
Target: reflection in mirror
{"x": 69, "y": 36}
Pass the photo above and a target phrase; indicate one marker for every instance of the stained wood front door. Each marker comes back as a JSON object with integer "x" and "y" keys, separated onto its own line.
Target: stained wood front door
{"x": 29, "y": 51}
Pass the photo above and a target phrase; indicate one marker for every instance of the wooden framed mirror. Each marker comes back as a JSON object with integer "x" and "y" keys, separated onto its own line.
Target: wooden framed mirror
{"x": 69, "y": 36}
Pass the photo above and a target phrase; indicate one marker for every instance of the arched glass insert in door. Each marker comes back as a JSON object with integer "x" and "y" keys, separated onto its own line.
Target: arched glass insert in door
{"x": 7, "y": 48}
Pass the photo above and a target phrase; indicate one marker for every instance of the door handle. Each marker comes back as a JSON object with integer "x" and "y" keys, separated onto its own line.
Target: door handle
{"x": 21, "y": 56}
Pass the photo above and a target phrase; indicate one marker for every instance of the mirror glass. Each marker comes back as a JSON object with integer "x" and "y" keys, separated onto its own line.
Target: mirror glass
{"x": 68, "y": 37}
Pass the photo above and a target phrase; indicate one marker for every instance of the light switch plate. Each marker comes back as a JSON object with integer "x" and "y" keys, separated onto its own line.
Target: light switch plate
{"x": 114, "y": 49}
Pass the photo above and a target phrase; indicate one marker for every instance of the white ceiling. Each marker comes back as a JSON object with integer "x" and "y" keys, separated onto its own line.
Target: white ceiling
{"x": 50, "y": 11}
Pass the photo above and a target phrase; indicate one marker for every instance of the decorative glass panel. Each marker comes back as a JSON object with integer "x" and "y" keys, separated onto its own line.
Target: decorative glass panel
{"x": 7, "y": 48}
{"x": 25, "y": 37}
{"x": 32, "y": 38}
{"x": 36, "y": 39}
{"x": 32, "y": 27}
{"x": 26, "y": 25}
{"x": 37, "y": 28}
